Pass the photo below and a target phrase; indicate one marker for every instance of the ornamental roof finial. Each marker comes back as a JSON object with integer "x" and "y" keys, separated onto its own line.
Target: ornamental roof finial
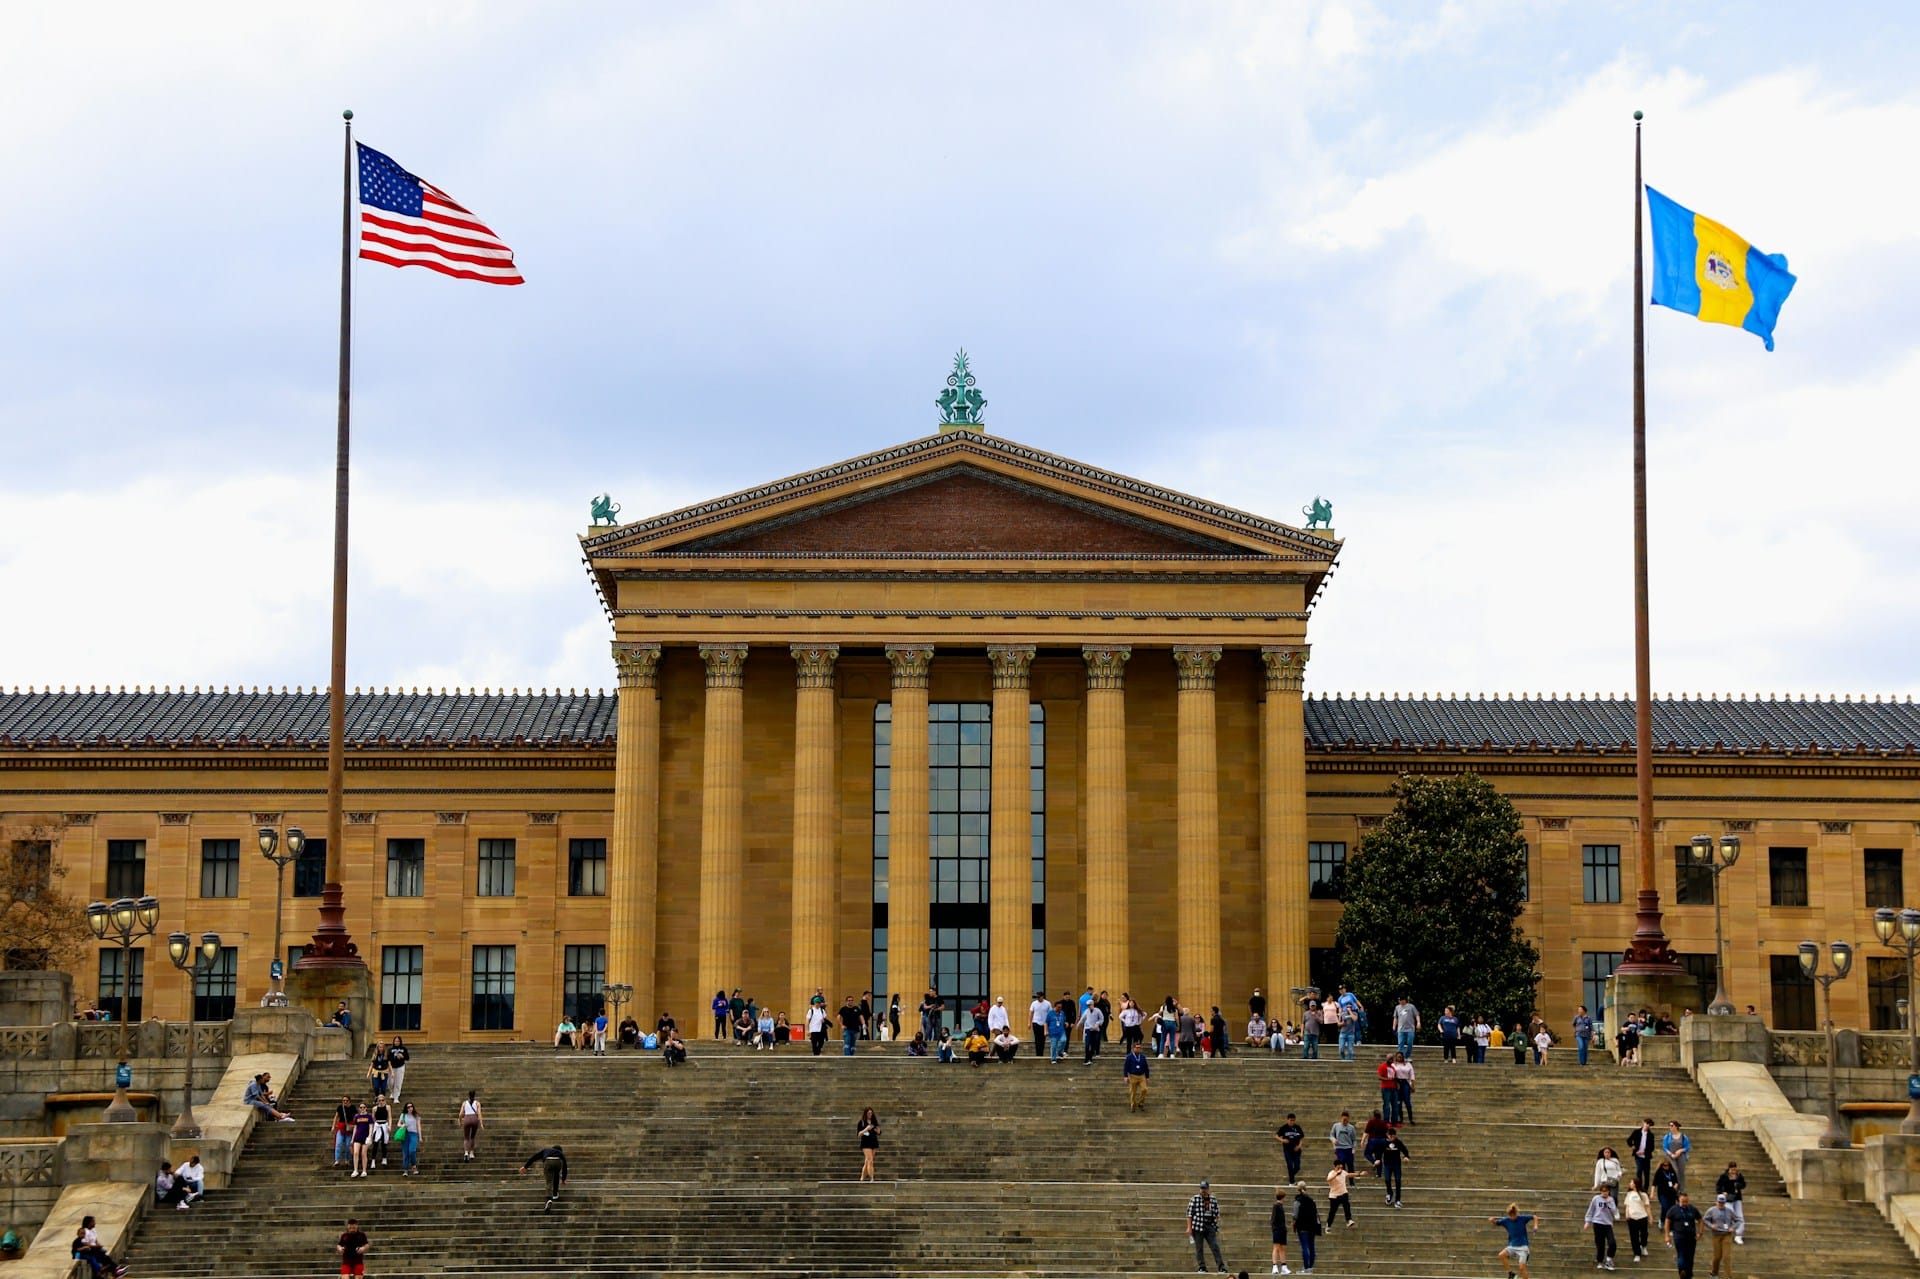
{"x": 960, "y": 404}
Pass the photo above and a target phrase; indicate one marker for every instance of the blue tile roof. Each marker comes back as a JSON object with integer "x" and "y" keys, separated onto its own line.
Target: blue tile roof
{"x": 555, "y": 718}
{"x": 1679, "y": 724}
{"x": 252, "y": 718}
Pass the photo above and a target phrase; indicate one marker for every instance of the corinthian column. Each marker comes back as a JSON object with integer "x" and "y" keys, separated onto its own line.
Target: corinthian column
{"x": 1283, "y": 819}
{"x": 722, "y": 803}
{"x": 813, "y": 847}
{"x": 909, "y": 886}
{"x": 1197, "y": 873}
{"x": 634, "y": 868}
{"x": 1010, "y": 828}
{"x": 1108, "y": 956}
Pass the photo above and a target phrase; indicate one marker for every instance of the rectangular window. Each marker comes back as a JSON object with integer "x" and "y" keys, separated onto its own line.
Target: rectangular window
{"x": 219, "y": 868}
{"x": 882, "y": 838}
{"x": 1787, "y": 876}
{"x": 586, "y": 868}
{"x": 1595, "y": 967}
{"x": 1792, "y": 993}
{"x": 400, "y": 973}
{"x": 1886, "y": 986}
{"x": 1600, "y": 874}
{"x": 111, "y": 970}
{"x": 1886, "y": 881}
{"x": 1701, "y": 968}
{"x": 496, "y": 868}
{"x": 1526, "y": 874}
{"x": 1327, "y": 870}
{"x": 310, "y": 869}
{"x": 585, "y": 977}
{"x": 492, "y": 988}
{"x": 1323, "y": 969}
{"x": 214, "y": 989}
{"x": 1692, "y": 881}
{"x": 406, "y": 868}
{"x": 126, "y": 868}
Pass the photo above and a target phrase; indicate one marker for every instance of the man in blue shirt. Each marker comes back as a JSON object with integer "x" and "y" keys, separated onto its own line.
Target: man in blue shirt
{"x": 1582, "y": 1031}
{"x": 1134, "y": 1067}
{"x": 1515, "y": 1223}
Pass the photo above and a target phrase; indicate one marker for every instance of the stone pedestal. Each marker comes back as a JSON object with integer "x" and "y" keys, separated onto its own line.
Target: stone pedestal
{"x": 112, "y": 1152}
{"x": 1668, "y": 993}
{"x": 1737, "y": 1038}
{"x": 273, "y": 1030}
{"x": 1820, "y": 1172}
{"x": 319, "y": 991}
{"x": 1893, "y": 1167}
{"x": 35, "y": 998}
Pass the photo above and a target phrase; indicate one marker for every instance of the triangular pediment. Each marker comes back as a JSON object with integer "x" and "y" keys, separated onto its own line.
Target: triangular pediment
{"x": 961, "y": 510}
{"x": 961, "y": 493}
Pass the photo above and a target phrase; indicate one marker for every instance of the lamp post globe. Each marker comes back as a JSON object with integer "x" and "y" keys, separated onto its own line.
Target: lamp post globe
{"x": 123, "y": 922}
{"x": 1840, "y": 954}
{"x": 194, "y": 961}
{"x": 1899, "y": 931}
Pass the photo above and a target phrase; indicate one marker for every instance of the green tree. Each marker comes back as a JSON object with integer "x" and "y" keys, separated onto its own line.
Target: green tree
{"x": 1433, "y": 902}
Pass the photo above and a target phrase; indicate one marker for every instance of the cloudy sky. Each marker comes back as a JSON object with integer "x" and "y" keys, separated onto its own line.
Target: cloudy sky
{"x": 1257, "y": 252}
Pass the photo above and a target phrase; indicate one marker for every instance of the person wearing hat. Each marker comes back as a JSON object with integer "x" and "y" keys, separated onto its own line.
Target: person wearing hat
{"x": 1732, "y": 1187}
{"x": 1719, "y": 1222}
{"x": 997, "y": 1018}
{"x": 1203, "y": 1227}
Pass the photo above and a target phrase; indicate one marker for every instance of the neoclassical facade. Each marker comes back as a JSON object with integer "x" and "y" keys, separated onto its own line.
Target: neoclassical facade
{"x": 958, "y": 714}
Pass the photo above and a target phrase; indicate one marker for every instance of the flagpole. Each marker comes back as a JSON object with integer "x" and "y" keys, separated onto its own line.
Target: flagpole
{"x": 332, "y": 946}
{"x": 1648, "y": 952}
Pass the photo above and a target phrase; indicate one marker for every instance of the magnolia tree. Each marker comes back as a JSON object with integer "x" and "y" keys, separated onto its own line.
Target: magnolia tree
{"x": 1433, "y": 901}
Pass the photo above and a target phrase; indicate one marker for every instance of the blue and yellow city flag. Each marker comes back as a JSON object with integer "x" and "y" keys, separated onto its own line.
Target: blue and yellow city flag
{"x": 1705, "y": 270}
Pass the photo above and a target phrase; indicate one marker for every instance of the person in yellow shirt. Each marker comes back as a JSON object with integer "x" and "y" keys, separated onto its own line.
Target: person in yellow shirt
{"x": 977, "y": 1047}
{"x": 1498, "y": 1039}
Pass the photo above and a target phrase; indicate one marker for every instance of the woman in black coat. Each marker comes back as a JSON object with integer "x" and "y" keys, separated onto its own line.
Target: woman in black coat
{"x": 1306, "y": 1225}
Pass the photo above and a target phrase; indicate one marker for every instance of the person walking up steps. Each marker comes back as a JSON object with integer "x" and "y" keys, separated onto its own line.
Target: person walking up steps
{"x": 471, "y": 1122}
{"x": 1278, "y": 1229}
{"x": 553, "y": 1162}
{"x": 1515, "y": 1254}
{"x": 352, "y": 1250}
{"x": 1203, "y": 1227}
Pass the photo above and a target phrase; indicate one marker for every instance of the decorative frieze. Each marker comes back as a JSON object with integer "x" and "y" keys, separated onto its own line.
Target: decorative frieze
{"x": 78, "y": 819}
{"x": 543, "y": 819}
{"x": 1836, "y": 828}
{"x": 1553, "y": 823}
{"x": 266, "y": 819}
{"x": 1738, "y": 827}
{"x": 450, "y": 819}
{"x": 361, "y": 819}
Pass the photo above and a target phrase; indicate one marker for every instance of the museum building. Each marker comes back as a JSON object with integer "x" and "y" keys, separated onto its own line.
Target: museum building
{"x": 959, "y": 714}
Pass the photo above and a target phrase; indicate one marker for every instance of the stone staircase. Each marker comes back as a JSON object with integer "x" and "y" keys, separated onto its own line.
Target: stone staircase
{"x": 745, "y": 1163}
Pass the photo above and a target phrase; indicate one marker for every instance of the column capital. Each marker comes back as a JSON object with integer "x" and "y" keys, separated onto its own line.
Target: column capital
{"x": 1011, "y": 662}
{"x": 910, "y": 664}
{"x": 638, "y": 664}
{"x": 1195, "y": 665}
{"x": 814, "y": 663}
{"x": 726, "y": 664}
{"x": 1106, "y": 664}
{"x": 1286, "y": 666}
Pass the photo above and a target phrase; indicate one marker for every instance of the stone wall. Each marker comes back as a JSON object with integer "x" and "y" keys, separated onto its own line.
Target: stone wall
{"x": 80, "y": 1057}
{"x": 35, "y": 998}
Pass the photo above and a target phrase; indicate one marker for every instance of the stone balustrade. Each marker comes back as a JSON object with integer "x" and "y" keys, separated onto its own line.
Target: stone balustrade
{"x": 100, "y": 1041}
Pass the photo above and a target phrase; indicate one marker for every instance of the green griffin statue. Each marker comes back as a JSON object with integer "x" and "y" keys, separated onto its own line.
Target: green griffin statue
{"x": 1320, "y": 514}
{"x": 604, "y": 509}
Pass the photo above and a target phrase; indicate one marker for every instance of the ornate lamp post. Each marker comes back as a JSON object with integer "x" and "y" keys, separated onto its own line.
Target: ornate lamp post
{"x": 1836, "y": 1136}
{"x": 269, "y": 849}
{"x": 187, "y": 959}
{"x": 123, "y": 922}
{"x": 617, "y": 994}
{"x": 1900, "y": 931}
{"x": 1729, "y": 854}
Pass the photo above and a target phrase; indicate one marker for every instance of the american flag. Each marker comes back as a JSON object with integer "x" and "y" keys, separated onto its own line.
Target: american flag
{"x": 407, "y": 222}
